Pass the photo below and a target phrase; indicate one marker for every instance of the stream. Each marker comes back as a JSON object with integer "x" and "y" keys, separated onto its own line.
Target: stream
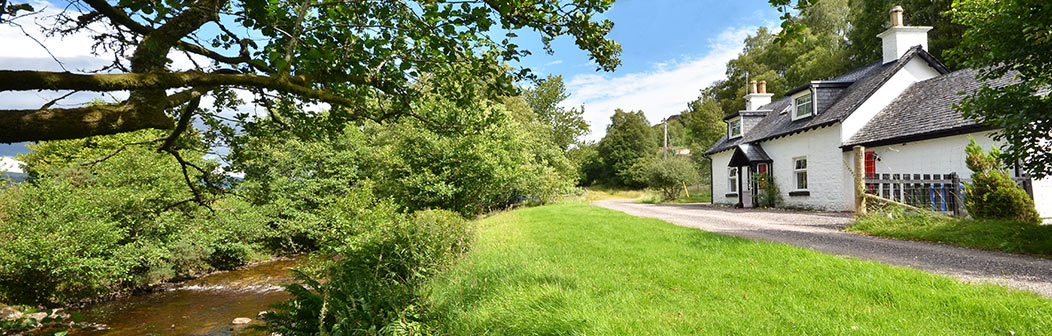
{"x": 203, "y": 306}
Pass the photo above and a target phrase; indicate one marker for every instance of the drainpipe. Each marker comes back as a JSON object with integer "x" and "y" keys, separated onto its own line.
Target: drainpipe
{"x": 741, "y": 193}
{"x": 712, "y": 184}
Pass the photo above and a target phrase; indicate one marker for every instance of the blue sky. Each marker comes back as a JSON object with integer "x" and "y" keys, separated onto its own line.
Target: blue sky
{"x": 671, "y": 49}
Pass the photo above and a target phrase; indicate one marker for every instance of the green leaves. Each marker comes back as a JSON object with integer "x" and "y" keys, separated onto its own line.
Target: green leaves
{"x": 628, "y": 139}
{"x": 671, "y": 175}
{"x": 991, "y": 192}
{"x": 566, "y": 125}
{"x": 1009, "y": 42}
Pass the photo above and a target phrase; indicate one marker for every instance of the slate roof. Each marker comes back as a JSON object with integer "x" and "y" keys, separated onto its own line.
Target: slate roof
{"x": 867, "y": 80}
{"x": 925, "y": 108}
{"x": 748, "y": 153}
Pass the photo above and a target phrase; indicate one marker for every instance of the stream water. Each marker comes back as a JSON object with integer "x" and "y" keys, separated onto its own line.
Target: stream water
{"x": 204, "y": 306}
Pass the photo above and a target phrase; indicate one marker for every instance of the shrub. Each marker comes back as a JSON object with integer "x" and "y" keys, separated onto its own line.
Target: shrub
{"x": 484, "y": 169}
{"x": 373, "y": 287}
{"x": 58, "y": 248}
{"x": 768, "y": 196}
{"x": 992, "y": 193}
{"x": 77, "y": 232}
{"x": 670, "y": 175}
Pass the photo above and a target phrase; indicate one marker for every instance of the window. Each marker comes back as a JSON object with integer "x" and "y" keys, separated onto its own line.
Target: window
{"x": 800, "y": 171}
{"x": 734, "y": 128}
{"x": 732, "y": 179}
{"x": 802, "y": 106}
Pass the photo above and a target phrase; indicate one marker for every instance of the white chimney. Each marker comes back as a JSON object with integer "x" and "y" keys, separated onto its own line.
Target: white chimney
{"x": 757, "y": 96}
{"x": 900, "y": 38}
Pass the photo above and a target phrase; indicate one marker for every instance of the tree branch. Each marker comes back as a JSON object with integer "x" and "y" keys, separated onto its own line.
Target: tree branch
{"x": 17, "y": 80}
{"x": 72, "y": 123}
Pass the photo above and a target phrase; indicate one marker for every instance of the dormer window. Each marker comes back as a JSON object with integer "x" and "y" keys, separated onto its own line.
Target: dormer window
{"x": 803, "y": 105}
{"x": 734, "y": 128}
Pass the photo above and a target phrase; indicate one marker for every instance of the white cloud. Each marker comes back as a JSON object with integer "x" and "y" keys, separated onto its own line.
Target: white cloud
{"x": 555, "y": 62}
{"x": 661, "y": 92}
{"x": 10, "y": 165}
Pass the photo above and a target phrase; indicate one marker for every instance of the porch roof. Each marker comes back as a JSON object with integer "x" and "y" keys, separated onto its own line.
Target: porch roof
{"x": 746, "y": 154}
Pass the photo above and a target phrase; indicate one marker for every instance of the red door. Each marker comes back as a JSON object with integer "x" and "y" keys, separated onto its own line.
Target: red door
{"x": 871, "y": 170}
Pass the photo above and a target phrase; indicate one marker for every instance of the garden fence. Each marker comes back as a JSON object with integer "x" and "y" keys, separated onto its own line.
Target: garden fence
{"x": 936, "y": 192}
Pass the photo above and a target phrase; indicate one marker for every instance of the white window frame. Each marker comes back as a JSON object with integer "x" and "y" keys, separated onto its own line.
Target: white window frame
{"x": 734, "y": 124}
{"x": 732, "y": 180}
{"x": 797, "y": 171}
{"x": 808, "y": 94}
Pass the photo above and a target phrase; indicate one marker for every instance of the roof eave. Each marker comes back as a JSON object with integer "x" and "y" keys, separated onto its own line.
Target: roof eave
{"x": 919, "y": 136}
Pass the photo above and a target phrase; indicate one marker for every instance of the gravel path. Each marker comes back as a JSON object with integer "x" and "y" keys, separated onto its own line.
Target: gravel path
{"x": 822, "y": 232}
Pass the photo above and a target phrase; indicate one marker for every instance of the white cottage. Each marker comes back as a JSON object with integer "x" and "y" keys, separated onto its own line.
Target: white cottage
{"x": 900, "y": 109}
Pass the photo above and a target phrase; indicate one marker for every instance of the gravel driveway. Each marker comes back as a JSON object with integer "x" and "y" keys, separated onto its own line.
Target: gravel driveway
{"x": 821, "y": 231}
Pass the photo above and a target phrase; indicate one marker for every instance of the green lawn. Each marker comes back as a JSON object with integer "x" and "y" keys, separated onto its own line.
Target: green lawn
{"x": 1001, "y": 235}
{"x": 576, "y": 269}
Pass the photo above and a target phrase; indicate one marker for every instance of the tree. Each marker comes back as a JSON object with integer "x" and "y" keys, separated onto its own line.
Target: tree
{"x": 703, "y": 121}
{"x": 365, "y": 59}
{"x": 486, "y": 169}
{"x": 818, "y": 50}
{"x": 869, "y": 18}
{"x": 1011, "y": 38}
{"x": 567, "y": 126}
{"x": 628, "y": 139}
{"x": 671, "y": 175}
{"x": 585, "y": 156}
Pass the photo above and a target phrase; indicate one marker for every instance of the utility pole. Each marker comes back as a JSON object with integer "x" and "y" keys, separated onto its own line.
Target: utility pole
{"x": 665, "y": 151}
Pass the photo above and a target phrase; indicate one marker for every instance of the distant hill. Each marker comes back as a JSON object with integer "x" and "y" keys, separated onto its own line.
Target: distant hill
{"x": 16, "y": 177}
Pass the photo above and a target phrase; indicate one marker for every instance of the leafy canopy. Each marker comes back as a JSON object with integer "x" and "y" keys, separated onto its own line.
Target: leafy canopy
{"x": 567, "y": 125}
{"x": 628, "y": 139}
{"x": 1011, "y": 38}
{"x": 367, "y": 59}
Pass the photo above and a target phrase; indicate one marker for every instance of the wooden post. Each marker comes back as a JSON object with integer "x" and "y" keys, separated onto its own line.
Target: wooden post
{"x": 859, "y": 153}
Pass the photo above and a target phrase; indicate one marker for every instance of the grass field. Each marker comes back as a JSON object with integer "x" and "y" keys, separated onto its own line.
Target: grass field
{"x": 1000, "y": 235}
{"x": 576, "y": 269}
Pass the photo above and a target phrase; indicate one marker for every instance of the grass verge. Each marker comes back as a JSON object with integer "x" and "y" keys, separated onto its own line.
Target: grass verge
{"x": 699, "y": 196}
{"x": 600, "y": 193}
{"x": 989, "y": 234}
{"x": 576, "y": 269}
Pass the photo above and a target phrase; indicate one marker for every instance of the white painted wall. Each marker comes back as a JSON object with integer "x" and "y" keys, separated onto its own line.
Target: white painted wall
{"x": 935, "y": 156}
{"x": 1043, "y": 198}
{"x": 946, "y": 155}
{"x": 914, "y": 71}
{"x": 898, "y": 40}
{"x": 825, "y": 171}
{"x": 720, "y": 187}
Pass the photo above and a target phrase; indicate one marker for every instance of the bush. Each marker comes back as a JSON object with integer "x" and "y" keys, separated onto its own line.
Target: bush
{"x": 372, "y": 288}
{"x": 671, "y": 175}
{"x": 59, "y": 249}
{"x": 992, "y": 193}
{"x": 768, "y": 196}
{"x": 482, "y": 170}
{"x": 77, "y": 232}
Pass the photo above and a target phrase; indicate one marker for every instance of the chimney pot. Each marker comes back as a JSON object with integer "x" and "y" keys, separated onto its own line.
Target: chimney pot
{"x": 763, "y": 87}
{"x": 752, "y": 87}
{"x": 896, "y": 16}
